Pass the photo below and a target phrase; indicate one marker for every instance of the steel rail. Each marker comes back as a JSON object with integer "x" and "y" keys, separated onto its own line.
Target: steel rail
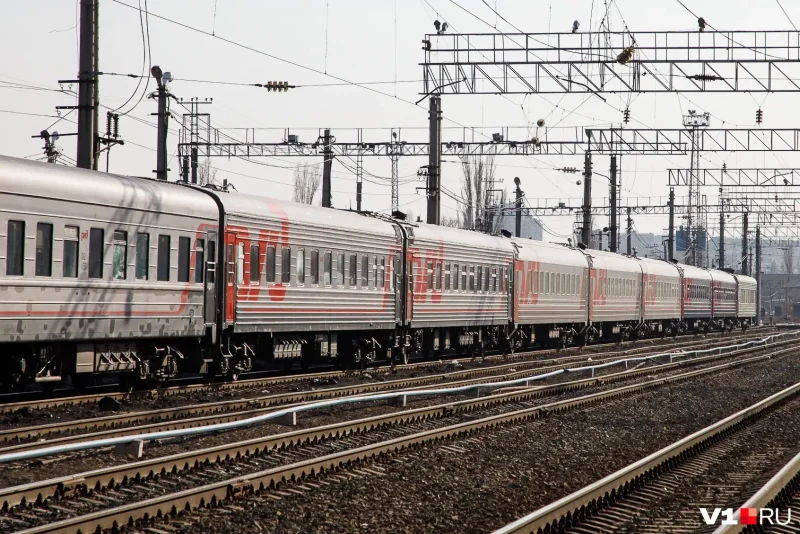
{"x": 256, "y": 405}
{"x": 270, "y": 478}
{"x": 92, "y": 398}
{"x": 582, "y": 503}
{"x": 262, "y": 415}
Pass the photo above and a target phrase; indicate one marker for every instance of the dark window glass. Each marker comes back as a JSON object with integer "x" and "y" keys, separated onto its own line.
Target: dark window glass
{"x": 430, "y": 275}
{"x": 15, "y": 248}
{"x": 480, "y": 277}
{"x": 229, "y": 260}
{"x": 383, "y": 272}
{"x": 447, "y": 277}
{"x": 120, "y": 270}
{"x": 255, "y": 262}
{"x": 270, "y": 264}
{"x": 340, "y": 269}
{"x": 163, "y": 258}
{"x": 70, "y": 261}
{"x": 96, "y": 246}
{"x": 184, "y": 247}
{"x": 315, "y": 266}
{"x": 199, "y": 260}
{"x": 353, "y": 270}
{"x": 286, "y": 271}
{"x": 364, "y": 272}
{"x": 44, "y": 249}
{"x": 142, "y": 256}
{"x": 326, "y": 276}
{"x": 487, "y": 277}
{"x": 456, "y": 276}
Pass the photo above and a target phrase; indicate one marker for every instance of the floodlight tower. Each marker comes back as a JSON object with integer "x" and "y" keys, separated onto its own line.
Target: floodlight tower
{"x": 693, "y": 122}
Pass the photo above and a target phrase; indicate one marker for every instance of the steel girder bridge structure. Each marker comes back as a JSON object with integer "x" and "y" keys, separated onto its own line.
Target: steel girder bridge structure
{"x": 612, "y": 62}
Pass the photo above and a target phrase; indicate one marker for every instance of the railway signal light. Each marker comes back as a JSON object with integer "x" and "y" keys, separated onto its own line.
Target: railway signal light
{"x": 759, "y": 116}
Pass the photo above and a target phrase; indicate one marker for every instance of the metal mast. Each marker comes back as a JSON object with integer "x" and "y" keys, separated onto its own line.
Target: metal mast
{"x": 394, "y": 156}
{"x": 693, "y": 122}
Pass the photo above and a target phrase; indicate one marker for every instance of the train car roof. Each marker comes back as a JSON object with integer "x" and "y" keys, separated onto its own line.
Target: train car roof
{"x": 532, "y": 250}
{"x": 613, "y": 261}
{"x": 467, "y": 238}
{"x": 257, "y": 207}
{"x": 658, "y": 267}
{"x": 742, "y": 278}
{"x": 70, "y": 184}
{"x": 695, "y": 273}
{"x": 722, "y": 276}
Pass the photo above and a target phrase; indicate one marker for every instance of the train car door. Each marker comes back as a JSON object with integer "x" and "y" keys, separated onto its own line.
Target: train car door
{"x": 211, "y": 278}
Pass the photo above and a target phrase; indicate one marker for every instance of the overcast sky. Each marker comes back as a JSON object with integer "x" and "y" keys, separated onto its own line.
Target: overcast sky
{"x": 361, "y": 41}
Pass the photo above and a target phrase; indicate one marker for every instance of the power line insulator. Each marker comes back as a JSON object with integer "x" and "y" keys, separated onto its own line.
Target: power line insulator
{"x": 759, "y": 116}
{"x": 626, "y": 116}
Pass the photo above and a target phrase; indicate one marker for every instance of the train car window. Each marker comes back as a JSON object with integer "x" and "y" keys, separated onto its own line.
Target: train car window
{"x": 364, "y": 272}
{"x": 163, "y": 258}
{"x": 314, "y": 266}
{"x": 286, "y": 265}
{"x": 429, "y": 270}
{"x": 212, "y": 259}
{"x": 447, "y": 268}
{"x": 228, "y": 259}
{"x": 395, "y": 272}
{"x": 456, "y": 276}
{"x": 437, "y": 280}
{"x": 120, "y": 270}
{"x": 375, "y": 272}
{"x": 199, "y": 260}
{"x": 96, "y": 246}
{"x": 487, "y": 278}
{"x": 472, "y": 278}
{"x": 44, "y": 249}
{"x": 494, "y": 279}
{"x": 184, "y": 244}
{"x": 353, "y": 270}
{"x": 15, "y": 248}
{"x": 255, "y": 262}
{"x": 326, "y": 269}
{"x": 464, "y": 278}
{"x": 563, "y": 284}
{"x": 70, "y": 260}
{"x": 383, "y": 273}
{"x": 300, "y": 270}
{"x": 142, "y": 256}
{"x": 339, "y": 275}
{"x": 240, "y": 263}
{"x": 480, "y": 278}
{"x": 271, "y": 264}
{"x": 553, "y": 283}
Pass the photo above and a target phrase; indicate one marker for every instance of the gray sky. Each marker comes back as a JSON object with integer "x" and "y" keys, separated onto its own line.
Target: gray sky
{"x": 362, "y": 41}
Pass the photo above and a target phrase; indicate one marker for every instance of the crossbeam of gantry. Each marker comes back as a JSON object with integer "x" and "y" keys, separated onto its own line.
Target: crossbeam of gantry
{"x": 612, "y": 62}
{"x": 736, "y": 177}
{"x": 762, "y": 207}
{"x": 576, "y": 142}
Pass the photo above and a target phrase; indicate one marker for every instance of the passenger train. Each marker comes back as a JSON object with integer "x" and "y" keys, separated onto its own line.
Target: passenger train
{"x": 105, "y": 274}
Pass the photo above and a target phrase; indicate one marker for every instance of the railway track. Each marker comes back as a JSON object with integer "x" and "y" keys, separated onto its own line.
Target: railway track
{"x": 9, "y": 404}
{"x": 259, "y": 469}
{"x": 716, "y": 467}
{"x": 118, "y": 425}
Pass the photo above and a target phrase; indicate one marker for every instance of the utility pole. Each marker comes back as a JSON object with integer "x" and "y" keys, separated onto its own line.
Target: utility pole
{"x": 613, "y": 201}
{"x": 359, "y": 179}
{"x": 671, "y": 231}
{"x": 327, "y": 167}
{"x": 630, "y": 230}
{"x": 162, "y": 79}
{"x": 518, "y": 214}
{"x": 744, "y": 242}
{"x": 721, "y": 231}
{"x": 586, "y": 231}
{"x": 758, "y": 275}
{"x": 394, "y": 156}
{"x": 87, "y": 85}
{"x": 435, "y": 160}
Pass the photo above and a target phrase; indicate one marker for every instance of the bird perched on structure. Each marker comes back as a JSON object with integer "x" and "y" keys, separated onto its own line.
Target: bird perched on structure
{"x": 626, "y": 55}
{"x": 575, "y": 26}
{"x": 701, "y": 23}
{"x": 441, "y": 27}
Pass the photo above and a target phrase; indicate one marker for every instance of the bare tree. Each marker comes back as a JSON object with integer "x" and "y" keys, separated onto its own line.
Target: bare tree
{"x": 206, "y": 174}
{"x": 788, "y": 257}
{"x": 451, "y": 222}
{"x": 306, "y": 182}
{"x": 481, "y": 209}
